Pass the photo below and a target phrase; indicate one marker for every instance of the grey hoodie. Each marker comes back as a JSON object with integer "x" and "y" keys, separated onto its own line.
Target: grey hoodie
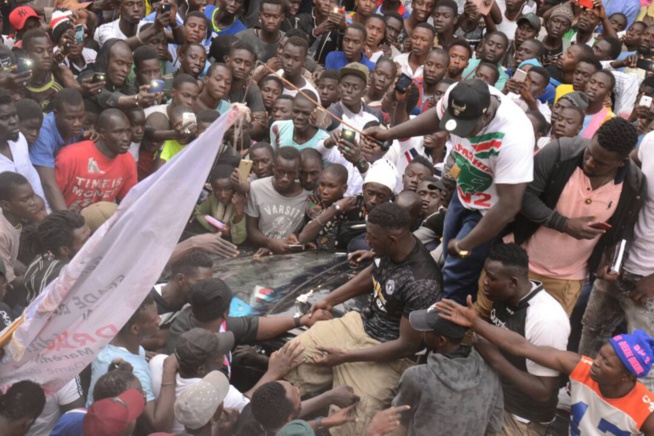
{"x": 454, "y": 394}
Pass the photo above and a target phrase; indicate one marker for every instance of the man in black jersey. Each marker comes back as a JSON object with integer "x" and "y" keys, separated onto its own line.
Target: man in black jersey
{"x": 369, "y": 350}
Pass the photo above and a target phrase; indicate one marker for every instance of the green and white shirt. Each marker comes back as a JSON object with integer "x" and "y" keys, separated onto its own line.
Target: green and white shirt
{"x": 501, "y": 154}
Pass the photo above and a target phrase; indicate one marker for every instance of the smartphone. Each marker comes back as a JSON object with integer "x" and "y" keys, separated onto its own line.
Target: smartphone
{"x": 618, "y": 257}
{"x": 214, "y": 222}
{"x": 99, "y": 77}
{"x": 244, "y": 167}
{"x": 358, "y": 226}
{"x": 79, "y": 33}
{"x": 520, "y": 75}
{"x": 24, "y": 64}
{"x": 403, "y": 83}
{"x": 646, "y": 65}
{"x": 188, "y": 118}
{"x": 338, "y": 10}
{"x": 601, "y": 226}
{"x": 645, "y": 100}
{"x": 348, "y": 135}
{"x": 166, "y": 7}
{"x": 586, "y": 4}
{"x": 156, "y": 85}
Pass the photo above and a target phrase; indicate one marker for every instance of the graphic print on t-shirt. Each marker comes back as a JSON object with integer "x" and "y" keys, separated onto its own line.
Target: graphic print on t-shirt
{"x": 476, "y": 176}
{"x": 283, "y": 220}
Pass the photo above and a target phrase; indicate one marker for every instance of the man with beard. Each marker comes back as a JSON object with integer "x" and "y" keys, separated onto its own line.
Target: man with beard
{"x": 89, "y": 172}
{"x": 460, "y": 53}
{"x": 493, "y": 47}
{"x": 275, "y": 207}
{"x": 435, "y": 68}
{"x": 528, "y": 27}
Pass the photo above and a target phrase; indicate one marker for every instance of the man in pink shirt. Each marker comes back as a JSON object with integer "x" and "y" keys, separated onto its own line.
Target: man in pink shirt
{"x": 583, "y": 201}
{"x": 89, "y": 172}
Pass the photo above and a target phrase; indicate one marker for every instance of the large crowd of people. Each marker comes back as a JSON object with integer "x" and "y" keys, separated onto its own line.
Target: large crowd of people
{"x": 485, "y": 165}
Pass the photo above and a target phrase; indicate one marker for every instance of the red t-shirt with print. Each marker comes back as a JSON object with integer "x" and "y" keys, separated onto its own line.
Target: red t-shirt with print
{"x": 86, "y": 176}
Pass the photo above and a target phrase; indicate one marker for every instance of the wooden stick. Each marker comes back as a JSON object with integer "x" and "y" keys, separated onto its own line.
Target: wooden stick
{"x": 317, "y": 103}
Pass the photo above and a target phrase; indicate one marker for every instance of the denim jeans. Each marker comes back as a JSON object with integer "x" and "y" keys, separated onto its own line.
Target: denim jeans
{"x": 608, "y": 306}
{"x": 460, "y": 276}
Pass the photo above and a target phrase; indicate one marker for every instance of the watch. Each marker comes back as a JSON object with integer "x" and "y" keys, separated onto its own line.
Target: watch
{"x": 361, "y": 164}
{"x": 297, "y": 319}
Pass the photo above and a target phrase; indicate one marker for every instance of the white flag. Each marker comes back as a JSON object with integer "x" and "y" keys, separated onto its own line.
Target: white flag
{"x": 99, "y": 290}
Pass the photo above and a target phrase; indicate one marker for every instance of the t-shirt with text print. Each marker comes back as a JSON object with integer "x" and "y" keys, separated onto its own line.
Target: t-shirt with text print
{"x": 86, "y": 176}
{"x": 502, "y": 153}
{"x": 399, "y": 289}
{"x": 279, "y": 216}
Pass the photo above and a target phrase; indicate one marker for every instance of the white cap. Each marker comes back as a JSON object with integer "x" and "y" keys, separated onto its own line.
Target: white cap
{"x": 383, "y": 172}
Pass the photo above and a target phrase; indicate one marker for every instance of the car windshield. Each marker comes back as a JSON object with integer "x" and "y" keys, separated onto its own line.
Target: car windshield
{"x": 271, "y": 284}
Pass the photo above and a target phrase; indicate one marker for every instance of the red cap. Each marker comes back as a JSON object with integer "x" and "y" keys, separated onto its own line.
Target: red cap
{"x": 19, "y": 16}
{"x": 111, "y": 416}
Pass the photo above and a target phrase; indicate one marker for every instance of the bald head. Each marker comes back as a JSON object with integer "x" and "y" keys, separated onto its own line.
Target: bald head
{"x": 108, "y": 116}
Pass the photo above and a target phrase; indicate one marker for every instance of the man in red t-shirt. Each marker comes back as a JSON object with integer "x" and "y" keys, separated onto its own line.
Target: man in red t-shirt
{"x": 89, "y": 172}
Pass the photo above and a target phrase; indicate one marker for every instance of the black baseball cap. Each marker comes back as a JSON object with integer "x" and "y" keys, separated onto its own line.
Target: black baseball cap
{"x": 467, "y": 102}
{"x": 430, "y": 321}
{"x": 196, "y": 346}
{"x": 532, "y": 19}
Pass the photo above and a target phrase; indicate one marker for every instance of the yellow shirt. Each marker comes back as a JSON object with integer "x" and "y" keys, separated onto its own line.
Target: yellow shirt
{"x": 562, "y": 90}
{"x": 170, "y": 149}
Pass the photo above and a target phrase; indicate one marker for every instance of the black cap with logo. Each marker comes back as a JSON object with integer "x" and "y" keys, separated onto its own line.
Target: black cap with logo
{"x": 468, "y": 101}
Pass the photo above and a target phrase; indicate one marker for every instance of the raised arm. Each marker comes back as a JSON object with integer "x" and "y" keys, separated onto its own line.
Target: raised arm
{"x": 562, "y": 361}
{"x": 423, "y": 124}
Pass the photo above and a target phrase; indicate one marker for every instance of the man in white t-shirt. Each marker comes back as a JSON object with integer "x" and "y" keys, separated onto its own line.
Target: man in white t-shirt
{"x": 67, "y": 398}
{"x": 198, "y": 352}
{"x": 14, "y": 153}
{"x": 492, "y": 168}
{"x": 630, "y": 295}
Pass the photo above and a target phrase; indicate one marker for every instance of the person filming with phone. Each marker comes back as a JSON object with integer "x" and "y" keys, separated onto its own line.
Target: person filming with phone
{"x": 584, "y": 199}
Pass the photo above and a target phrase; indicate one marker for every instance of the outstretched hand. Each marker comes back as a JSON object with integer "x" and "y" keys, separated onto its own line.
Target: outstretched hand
{"x": 286, "y": 359}
{"x": 341, "y": 417}
{"x": 453, "y": 311}
{"x": 330, "y": 357}
{"x": 386, "y": 421}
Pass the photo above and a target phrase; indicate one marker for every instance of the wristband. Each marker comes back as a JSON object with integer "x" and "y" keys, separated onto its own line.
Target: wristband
{"x": 319, "y": 425}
